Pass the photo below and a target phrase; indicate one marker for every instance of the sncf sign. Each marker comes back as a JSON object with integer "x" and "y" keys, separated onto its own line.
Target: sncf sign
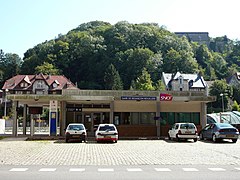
{"x": 165, "y": 97}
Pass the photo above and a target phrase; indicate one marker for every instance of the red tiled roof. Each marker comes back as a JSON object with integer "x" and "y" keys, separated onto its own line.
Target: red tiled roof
{"x": 63, "y": 82}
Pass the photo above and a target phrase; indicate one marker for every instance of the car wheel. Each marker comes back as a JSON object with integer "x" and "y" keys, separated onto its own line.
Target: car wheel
{"x": 116, "y": 141}
{"x": 66, "y": 140}
{"x": 195, "y": 140}
{"x": 177, "y": 138}
{"x": 169, "y": 137}
{"x": 234, "y": 140}
{"x": 214, "y": 138}
{"x": 201, "y": 136}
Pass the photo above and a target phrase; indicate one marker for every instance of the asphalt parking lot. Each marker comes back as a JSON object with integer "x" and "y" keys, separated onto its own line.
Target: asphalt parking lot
{"x": 16, "y": 151}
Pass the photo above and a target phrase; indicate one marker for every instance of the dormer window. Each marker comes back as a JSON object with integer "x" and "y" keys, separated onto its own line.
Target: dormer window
{"x": 23, "y": 84}
{"x": 55, "y": 85}
{"x": 40, "y": 84}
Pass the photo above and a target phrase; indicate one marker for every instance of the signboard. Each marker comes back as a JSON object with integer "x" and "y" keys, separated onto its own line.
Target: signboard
{"x": 139, "y": 98}
{"x": 35, "y": 110}
{"x": 53, "y": 106}
{"x": 165, "y": 97}
{"x": 74, "y": 109}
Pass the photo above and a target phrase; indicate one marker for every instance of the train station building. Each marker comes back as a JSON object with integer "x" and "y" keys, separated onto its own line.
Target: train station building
{"x": 135, "y": 113}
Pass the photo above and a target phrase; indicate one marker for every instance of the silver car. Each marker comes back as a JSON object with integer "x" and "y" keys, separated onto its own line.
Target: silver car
{"x": 75, "y": 131}
{"x": 183, "y": 131}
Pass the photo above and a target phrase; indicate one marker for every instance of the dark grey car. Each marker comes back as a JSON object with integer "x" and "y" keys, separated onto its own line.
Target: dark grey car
{"x": 219, "y": 131}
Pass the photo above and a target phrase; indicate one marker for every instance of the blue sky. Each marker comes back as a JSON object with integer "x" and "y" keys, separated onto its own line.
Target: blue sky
{"x": 26, "y": 23}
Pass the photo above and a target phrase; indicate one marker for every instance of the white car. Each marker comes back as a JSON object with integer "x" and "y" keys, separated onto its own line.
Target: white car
{"x": 183, "y": 131}
{"x": 75, "y": 131}
{"x": 106, "y": 132}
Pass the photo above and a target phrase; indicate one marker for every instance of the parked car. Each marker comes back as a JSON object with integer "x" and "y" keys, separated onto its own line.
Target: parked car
{"x": 75, "y": 131}
{"x": 219, "y": 131}
{"x": 183, "y": 131}
{"x": 106, "y": 132}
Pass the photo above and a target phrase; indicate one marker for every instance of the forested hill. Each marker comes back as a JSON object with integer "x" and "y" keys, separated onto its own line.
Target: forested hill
{"x": 98, "y": 55}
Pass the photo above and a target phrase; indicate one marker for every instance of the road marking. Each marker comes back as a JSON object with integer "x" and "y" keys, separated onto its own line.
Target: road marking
{"x": 217, "y": 169}
{"x": 190, "y": 169}
{"x": 163, "y": 169}
{"x": 134, "y": 169}
{"x": 47, "y": 169}
{"x": 237, "y": 169}
{"x": 77, "y": 169}
{"x": 18, "y": 169}
{"x": 105, "y": 169}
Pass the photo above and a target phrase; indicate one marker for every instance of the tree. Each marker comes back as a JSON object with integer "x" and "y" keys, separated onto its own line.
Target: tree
{"x": 112, "y": 79}
{"x": 10, "y": 65}
{"x": 131, "y": 63}
{"x": 144, "y": 81}
{"x": 220, "y": 87}
{"x": 235, "y": 106}
{"x": 47, "y": 68}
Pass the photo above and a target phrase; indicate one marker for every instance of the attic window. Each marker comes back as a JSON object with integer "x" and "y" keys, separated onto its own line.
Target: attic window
{"x": 55, "y": 84}
{"x": 23, "y": 84}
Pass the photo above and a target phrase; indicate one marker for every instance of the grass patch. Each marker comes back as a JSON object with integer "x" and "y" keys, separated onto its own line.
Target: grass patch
{"x": 1, "y": 137}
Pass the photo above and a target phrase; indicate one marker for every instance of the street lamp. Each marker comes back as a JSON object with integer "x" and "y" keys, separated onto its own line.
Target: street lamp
{"x": 222, "y": 102}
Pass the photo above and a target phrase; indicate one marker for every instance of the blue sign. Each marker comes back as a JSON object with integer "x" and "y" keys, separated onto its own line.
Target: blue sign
{"x": 53, "y": 124}
{"x": 139, "y": 98}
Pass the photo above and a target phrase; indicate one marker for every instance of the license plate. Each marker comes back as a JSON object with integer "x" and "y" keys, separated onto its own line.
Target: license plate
{"x": 107, "y": 136}
{"x": 230, "y": 135}
{"x": 188, "y": 132}
{"x": 75, "y": 136}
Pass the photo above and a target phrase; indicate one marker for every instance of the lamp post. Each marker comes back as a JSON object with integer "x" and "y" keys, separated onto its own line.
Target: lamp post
{"x": 5, "y": 104}
{"x": 222, "y": 102}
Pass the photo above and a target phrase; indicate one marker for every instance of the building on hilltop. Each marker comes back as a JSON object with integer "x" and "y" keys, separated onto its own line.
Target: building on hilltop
{"x": 199, "y": 37}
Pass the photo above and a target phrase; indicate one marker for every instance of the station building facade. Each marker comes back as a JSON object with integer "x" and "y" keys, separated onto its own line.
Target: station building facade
{"x": 135, "y": 113}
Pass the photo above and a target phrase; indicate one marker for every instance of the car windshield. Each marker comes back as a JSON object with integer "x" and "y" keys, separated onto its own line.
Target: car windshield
{"x": 106, "y": 128}
{"x": 187, "y": 126}
{"x": 75, "y": 127}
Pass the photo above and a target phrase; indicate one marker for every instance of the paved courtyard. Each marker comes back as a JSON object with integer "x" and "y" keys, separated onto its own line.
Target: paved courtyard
{"x": 16, "y": 151}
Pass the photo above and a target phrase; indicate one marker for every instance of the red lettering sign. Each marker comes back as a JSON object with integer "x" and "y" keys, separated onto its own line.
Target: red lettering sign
{"x": 165, "y": 97}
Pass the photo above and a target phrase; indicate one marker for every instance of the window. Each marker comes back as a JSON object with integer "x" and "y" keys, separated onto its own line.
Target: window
{"x": 147, "y": 118}
{"x": 134, "y": 118}
{"x": 40, "y": 84}
{"x": 175, "y": 117}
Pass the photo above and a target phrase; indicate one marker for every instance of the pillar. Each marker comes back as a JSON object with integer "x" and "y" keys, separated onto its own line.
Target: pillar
{"x": 111, "y": 112}
{"x": 203, "y": 114}
{"x": 24, "y": 119}
{"x": 32, "y": 126}
{"x": 62, "y": 118}
{"x": 158, "y": 120}
{"x": 15, "y": 120}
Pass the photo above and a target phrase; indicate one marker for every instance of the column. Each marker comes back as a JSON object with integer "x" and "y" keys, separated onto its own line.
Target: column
{"x": 24, "y": 119}
{"x": 111, "y": 112}
{"x": 15, "y": 123}
{"x": 62, "y": 118}
{"x": 158, "y": 120}
{"x": 31, "y": 125}
{"x": 203, "y": 114}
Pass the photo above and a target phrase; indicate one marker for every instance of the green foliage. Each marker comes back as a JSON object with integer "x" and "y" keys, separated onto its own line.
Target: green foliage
{"x": 47, "y": 68}
{"x": 89, "y": 52}
{"x": 220, "y": 87}
{"x": 144, "y": 82}
{"x": 235, "y": 106}
{"x": 112, "y": 79}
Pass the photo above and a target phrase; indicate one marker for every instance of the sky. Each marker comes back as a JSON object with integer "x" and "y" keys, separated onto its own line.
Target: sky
{"x": 26, "y": 23}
